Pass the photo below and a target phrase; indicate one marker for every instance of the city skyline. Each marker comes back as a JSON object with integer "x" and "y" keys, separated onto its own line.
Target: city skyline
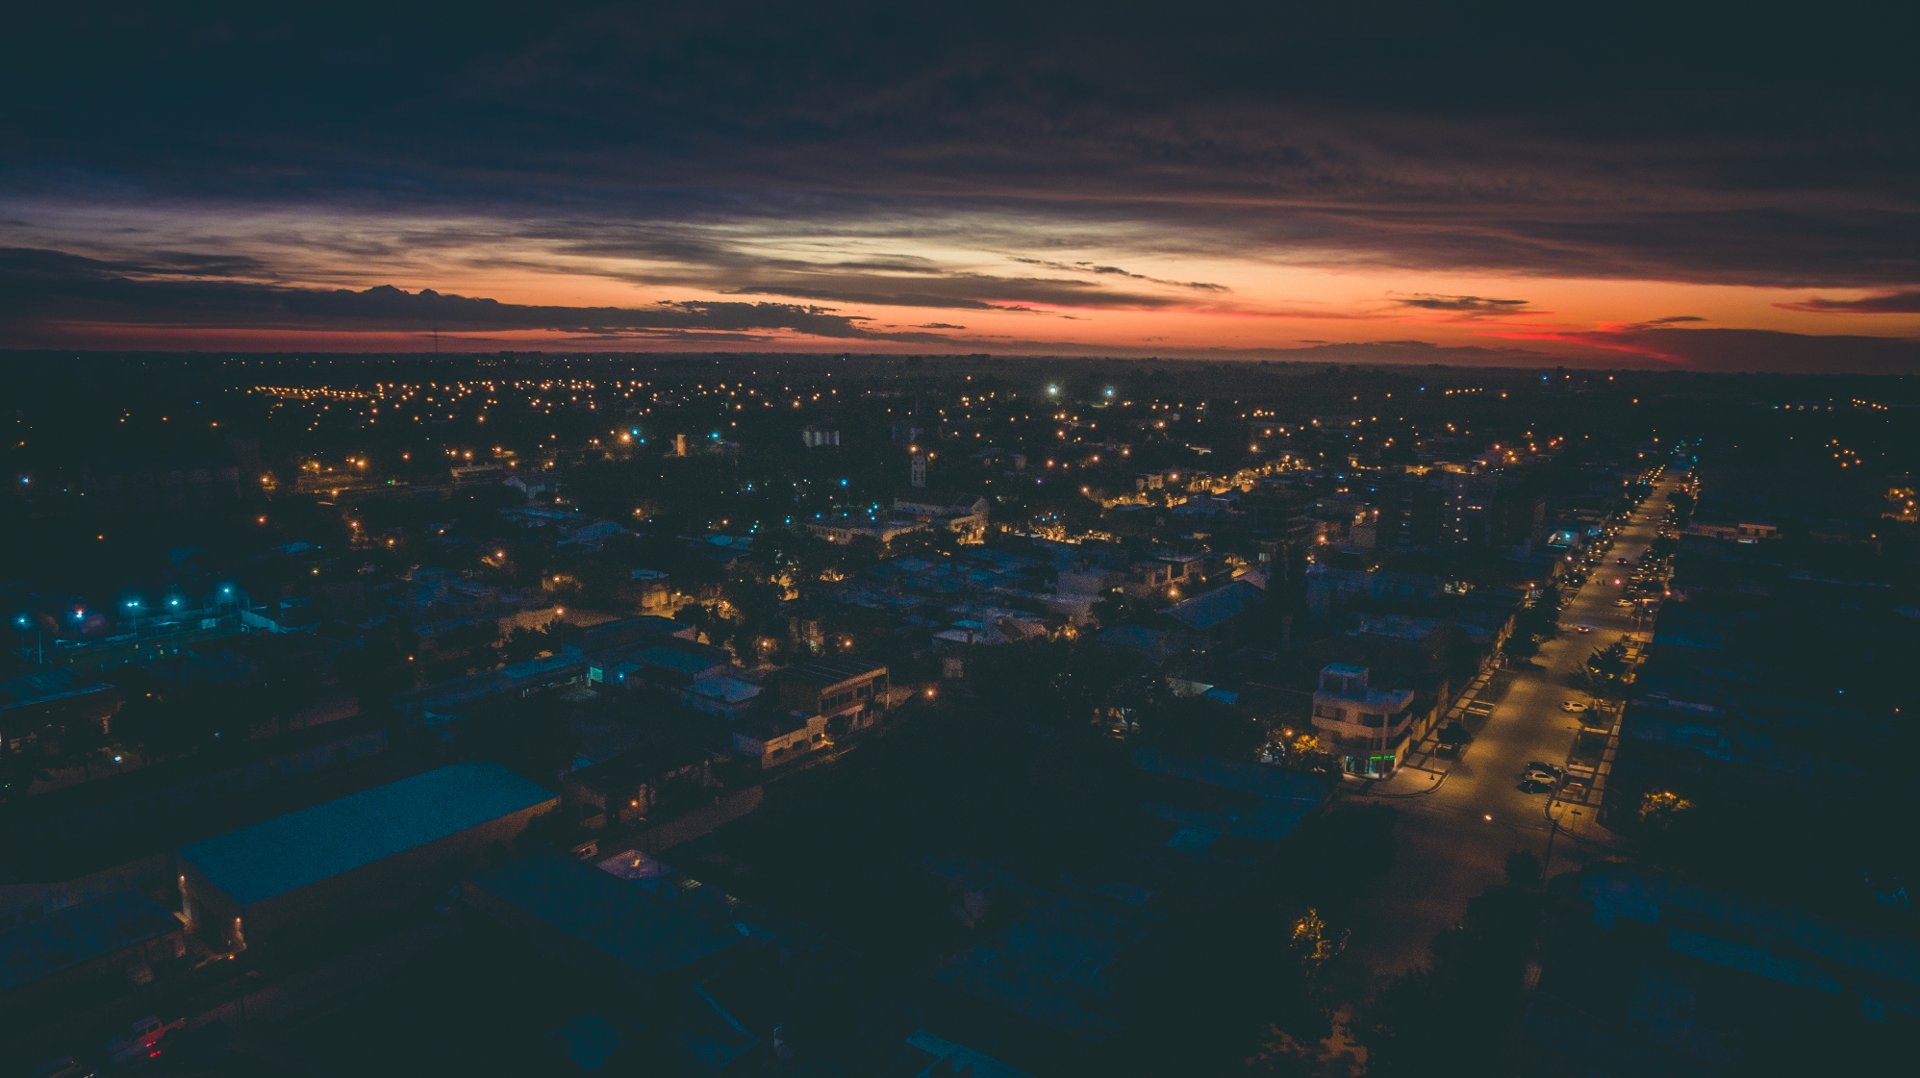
{"x": 1397, "y": 186}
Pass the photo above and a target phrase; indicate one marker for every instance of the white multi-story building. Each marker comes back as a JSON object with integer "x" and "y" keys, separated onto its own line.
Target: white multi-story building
{"x": 1366, "y": 729}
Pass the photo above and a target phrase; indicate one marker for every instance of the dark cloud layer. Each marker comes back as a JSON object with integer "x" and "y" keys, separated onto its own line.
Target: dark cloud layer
{"x": 1768, "y": 350}
{"x": 1666, "y": 142}
{"x": 663, "y": 144}
{"x": 83, "y": 289}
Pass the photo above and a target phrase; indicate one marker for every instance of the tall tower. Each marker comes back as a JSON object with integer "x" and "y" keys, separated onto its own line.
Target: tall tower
{"x": 919, "y": 469}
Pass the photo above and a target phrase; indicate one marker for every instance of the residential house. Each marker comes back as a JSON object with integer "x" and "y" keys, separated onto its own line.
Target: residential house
{"x": 850, "y": 694}
{"x": 779, "y": 738}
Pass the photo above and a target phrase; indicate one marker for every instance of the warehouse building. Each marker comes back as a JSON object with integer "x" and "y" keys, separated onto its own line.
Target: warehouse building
{"x": 373, "y": 850}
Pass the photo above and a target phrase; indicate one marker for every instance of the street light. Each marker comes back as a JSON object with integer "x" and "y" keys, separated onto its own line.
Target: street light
{"x": 23, "y": 622}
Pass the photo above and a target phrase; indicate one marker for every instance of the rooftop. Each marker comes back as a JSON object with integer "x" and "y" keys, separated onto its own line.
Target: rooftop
{"x": 729, "y": 690}
{"x": 302, "y": 848}
{"x": 79, "y": 934}
{"x": 649, "y": 928}
{"x": 1399, "y": 627}
{"x": 831, "y": 671}
{"x": 1213, "y": 608}
{"x": 680, "y": 657}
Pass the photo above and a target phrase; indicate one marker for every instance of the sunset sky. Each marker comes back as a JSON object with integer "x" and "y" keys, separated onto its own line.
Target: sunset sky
{"x": 1603, "y": 186}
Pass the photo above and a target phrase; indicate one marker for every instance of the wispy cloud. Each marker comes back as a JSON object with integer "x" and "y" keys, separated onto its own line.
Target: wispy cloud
{"x": 1468, "y": 307}
{"x": 1885, "y": 303}
{"x": 1116, "y": 271}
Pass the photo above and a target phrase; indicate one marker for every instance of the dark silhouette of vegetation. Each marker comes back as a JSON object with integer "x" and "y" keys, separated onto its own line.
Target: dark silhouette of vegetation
{"x": 1469, "y": 992}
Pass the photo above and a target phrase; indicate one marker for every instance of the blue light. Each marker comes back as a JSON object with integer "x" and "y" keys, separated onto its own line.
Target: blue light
{"x": 1109, "y": 391}
{"x": 173, "y": 602}
{"x": 22, "y": 621}
{"x": 843, "y": 482}
{"x": 635, "y": 431}
{"x": 226, "y": 589}
{"x": 133, "y": 604}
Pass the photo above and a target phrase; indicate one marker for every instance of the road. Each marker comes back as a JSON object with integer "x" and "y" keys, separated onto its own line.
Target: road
{"x": 1454, "y": 835}
{"x": 1528, "y": 724}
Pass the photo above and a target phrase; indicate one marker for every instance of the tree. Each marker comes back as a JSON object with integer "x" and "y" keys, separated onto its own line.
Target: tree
{"x": 523, "y": 734}
{"x": 166, "y": 722}
{"x": 1520, "y": 646}
{"x": 1309, "y": 941}
{"x": 381, "y": 666}
{"x": 1523, "y": 870}
{"x": 524, "y": 643}
{"x": 21, "y": 765}
{"x": 705, "y": 617}
{"x": 1200, "y": 727}
{"x": 81, "y": 742}
{"x": 1661, "y": 809}
{"x": 1606, "y": 669}
{"x": 1536, "y": 622}
{"x": 1469, "y": 992}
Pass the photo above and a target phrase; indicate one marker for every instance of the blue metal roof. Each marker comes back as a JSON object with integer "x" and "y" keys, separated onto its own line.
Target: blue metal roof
{"x": 302, "y": 848}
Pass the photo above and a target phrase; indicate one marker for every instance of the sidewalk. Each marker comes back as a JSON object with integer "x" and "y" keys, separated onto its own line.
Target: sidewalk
{"x": 1472, "y": 708}
{"x": 1406, "y": 781}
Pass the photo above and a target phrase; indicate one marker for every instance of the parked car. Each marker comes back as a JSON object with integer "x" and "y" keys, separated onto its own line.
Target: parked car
{"x": 142, "y": 1039}
{"x": 1532, "y": 785}
{"x": 1573, "y": 707}
{"x": 1583, "y": 627}
{"x": 1546, "y": 769}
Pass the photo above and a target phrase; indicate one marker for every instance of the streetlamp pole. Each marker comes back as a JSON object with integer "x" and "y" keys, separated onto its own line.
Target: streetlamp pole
{"x": 1553, "y": 832}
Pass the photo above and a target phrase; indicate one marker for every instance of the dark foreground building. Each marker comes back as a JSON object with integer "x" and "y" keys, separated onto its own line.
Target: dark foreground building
{"x": 362, "y": 853}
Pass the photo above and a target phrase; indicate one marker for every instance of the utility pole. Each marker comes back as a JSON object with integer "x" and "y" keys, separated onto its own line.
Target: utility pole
{"x": 1553, "y": 832}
